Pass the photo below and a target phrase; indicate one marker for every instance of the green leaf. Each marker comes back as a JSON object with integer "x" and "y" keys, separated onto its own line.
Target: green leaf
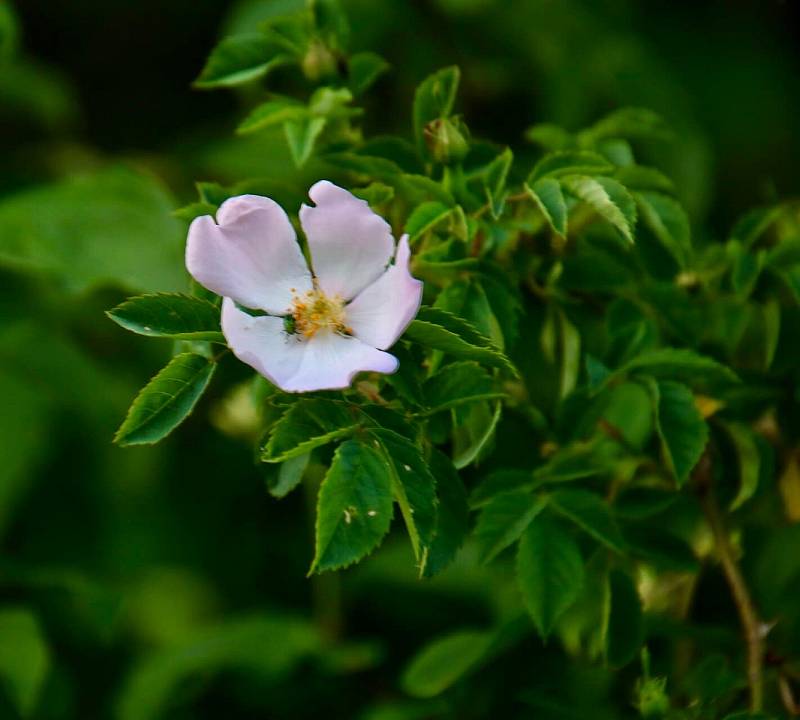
{"x": 549, "y": 572}
{"x": 495, "y": 181}
{"x": 549, "y": 198}
{"x": 607, "y": 198}
{"x": 668, "y": 222}
{"x": 330, "y": 22}
{"x": 24, "y": 659}
{"x": 194, "y": 210}
{"x": 452, "y": 517}
{"x": 301, "y": 135}
{"x": 111, "y": 226}
{"x": 445, "y": 661}
{"x": 9, "y": 33}
{"x": 630, "y": 122}
{"x": 167, "y": 400}
{"x": 570, "y": 162}
{"x": 363, "y": 70}
{"x": 267, "y": 647}
{"x": 641, "y": 177}
{"x": 271, "y": 113}
{"x": 589, "y": 512}
{"x": 310, "y": 423}
{"x": 625, "y": 622}
{"x": 457, "y": 384}
{"x": 681, "y": 428}
{"x": 354, "y": 508}
{"x": 240, "y": 59}
{"x": 679, "y": 364}
{"x": 441, "y": 330}
{"x": 748, "y": 459}
{"x": 630, "y": 413}
{"x": 413, "y": 486}
{"x": 754, "y": 224}
{"x": 574, "y": 462}
{"x": 474, "y": 433}
{"x": 287, "y": 476}
{"x": 434, "y": 98}
{"x": 503, "y": 520}
{"x": 425, "y": 217}
{"x": 549, "y": 136}
{"x": 170, "y": 315}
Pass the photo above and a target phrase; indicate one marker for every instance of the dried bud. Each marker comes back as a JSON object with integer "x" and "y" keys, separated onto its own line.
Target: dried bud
{"x": 446, "y": 139}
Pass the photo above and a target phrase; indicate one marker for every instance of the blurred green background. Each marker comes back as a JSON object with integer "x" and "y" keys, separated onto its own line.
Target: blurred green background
{"x": 166, "y": 582}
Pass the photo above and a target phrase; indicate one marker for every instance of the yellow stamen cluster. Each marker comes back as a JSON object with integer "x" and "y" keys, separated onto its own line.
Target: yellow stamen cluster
{"x": 315, "y": 311}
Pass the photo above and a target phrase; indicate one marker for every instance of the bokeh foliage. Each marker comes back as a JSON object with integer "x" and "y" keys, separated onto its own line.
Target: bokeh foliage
{"x": 168, "y": 581}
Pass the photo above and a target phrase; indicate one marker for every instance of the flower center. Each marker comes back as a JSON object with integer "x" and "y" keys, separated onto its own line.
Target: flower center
{"x": 314, "y": 311}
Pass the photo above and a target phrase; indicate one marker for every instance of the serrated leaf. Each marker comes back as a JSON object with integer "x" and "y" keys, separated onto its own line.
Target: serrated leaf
{"x": 363, "y": 69}
{"x": 549, "y": 572}
{"x": 570, "y": 162}
{"x": 630, "y": 122}
{"x": 170, "y": 315}
{"x": 441, "y": 330}
{"x": 354, "y": 508}
{"x": 681, "y": 428}
{"x": 549, "y": 198}
{"x": 503, "y": 520}
{"x": 433, "y": 99}
{"x": 589, "y": 512}
{"x": 240, "y": 59}
{"x": 457, "y": 384}
{"x": 310, "y": 423}
{"x": 167, "y": 400}
{"x": 425, "y": 217}
{"x": 625, "y": 622}
{"x": 270, "y": 114}
{"x": 668, "y": 222}
{"x": 24, "y": 659}
{"x": 301, "y": 135}
{"x": 413, "y": 486}
{"x": 444, "y": 661}
{"x": 607, "y": 198}
{"x": 452, "y": 516}
{"x": 748, "y": 459}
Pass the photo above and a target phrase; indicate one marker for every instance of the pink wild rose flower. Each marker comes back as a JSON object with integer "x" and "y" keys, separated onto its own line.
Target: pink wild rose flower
{"x": 323, "y": 325}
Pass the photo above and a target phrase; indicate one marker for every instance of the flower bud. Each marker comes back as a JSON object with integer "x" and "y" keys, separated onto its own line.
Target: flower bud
{"x": 445, "y": 138}
{"x": 319, "y": 62}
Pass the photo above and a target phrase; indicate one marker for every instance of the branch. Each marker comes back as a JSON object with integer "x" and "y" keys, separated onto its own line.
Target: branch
{"x": 752, "y": 626}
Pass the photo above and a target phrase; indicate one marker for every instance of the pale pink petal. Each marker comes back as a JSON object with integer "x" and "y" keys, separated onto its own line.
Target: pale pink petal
{"x": 382, "y": 311}
{"x": 262, "y": 343}
{"x": 331, "y": 361}
{"x": 326, "y": 361}
{"x": 350, "y": 245}
{"x": 251, "y": 254}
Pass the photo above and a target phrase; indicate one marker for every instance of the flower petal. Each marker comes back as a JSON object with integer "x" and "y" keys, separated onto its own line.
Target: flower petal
{"x": 350, "y": 245}
{"x": 325, "y": 362}
{"x": 331, "y": 361}
{"x": 382, "y": 311}
{"x": 251, "y": 255}
{"x": 262, "y": 343}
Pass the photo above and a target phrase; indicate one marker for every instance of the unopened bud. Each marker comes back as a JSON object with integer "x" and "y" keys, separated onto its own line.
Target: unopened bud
{"x": 319, "y": 62}
{"x": 446, "y": 139}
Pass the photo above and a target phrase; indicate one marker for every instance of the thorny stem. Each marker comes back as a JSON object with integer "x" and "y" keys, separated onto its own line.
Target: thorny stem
{"x": 748, "y": 615}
